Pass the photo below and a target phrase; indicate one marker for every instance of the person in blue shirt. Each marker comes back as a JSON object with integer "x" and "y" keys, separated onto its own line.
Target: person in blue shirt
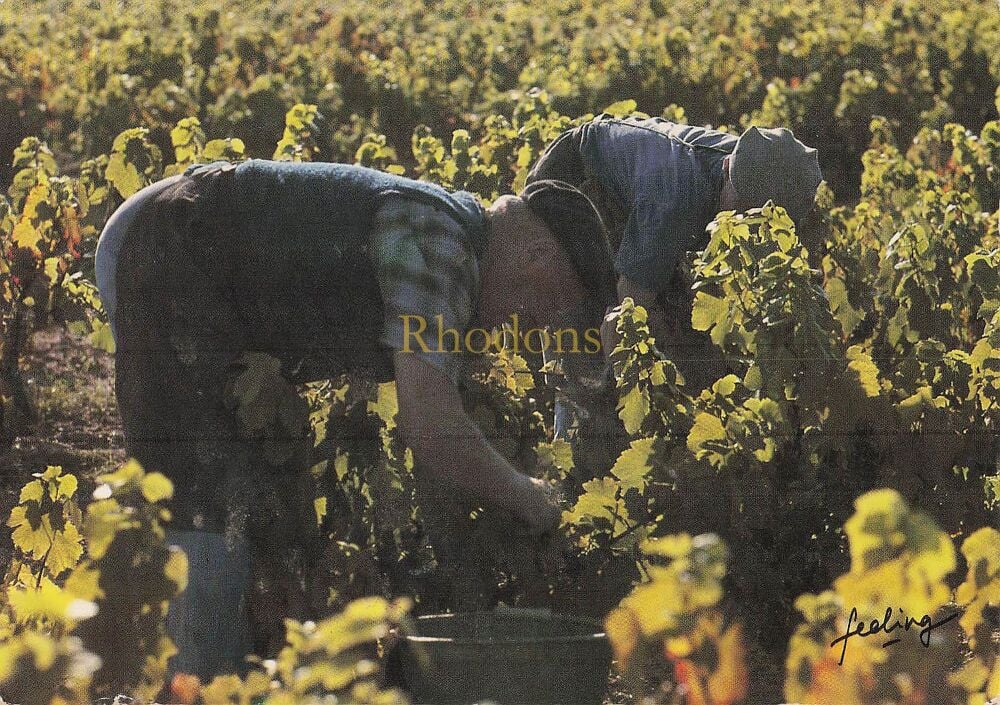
{"x": 657, "y": 185}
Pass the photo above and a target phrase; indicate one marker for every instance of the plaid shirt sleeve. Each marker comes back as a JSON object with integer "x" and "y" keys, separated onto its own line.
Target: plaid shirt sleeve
{"x": 429, "y": 279}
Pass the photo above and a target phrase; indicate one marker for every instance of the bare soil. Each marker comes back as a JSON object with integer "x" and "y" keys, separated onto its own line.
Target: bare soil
{"x": 72, "y": 385}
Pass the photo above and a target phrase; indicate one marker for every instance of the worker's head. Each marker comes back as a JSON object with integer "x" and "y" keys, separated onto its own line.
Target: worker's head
{"x": 771, "y": 164}
{"x": 548, "y": 254}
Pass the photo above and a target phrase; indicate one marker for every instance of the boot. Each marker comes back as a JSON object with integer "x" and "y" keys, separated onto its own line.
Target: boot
{"x": 208, "y": 621}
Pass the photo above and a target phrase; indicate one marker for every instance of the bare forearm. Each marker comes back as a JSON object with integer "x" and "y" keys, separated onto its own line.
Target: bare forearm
{"x": 445, "y": 441}
{"x": 456, "y": 452}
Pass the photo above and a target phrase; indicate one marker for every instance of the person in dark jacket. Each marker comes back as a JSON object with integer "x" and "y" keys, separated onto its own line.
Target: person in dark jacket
{"x": 323, "y": 269}
{"x": 657, "y": 185}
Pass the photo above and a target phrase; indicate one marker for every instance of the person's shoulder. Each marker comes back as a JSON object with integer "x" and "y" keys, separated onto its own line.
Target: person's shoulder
{"x": 395, "y": 211}
{"x": 256, "y": 164}
{"x": 632, "y": 128}
{"x": 429, "y": 209}
{"x": 402, "y": 211}
{"x": 704, "y": 137}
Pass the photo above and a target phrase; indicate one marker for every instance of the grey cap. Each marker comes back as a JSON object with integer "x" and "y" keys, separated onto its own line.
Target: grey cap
{"x": 770, "y": 164}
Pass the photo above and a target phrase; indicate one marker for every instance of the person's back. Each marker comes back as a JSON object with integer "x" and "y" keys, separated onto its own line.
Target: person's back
{"x": 323, "y": 211}
{"x": 310, "y": 275}
{"x": 658, "y": 184}
{"x": 664, "y": 179}
{"x": 292, "y": 242}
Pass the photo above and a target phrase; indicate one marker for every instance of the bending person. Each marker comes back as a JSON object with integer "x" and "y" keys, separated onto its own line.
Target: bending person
{"x": 657, "y": 185}
{"x": 319, "y": 265}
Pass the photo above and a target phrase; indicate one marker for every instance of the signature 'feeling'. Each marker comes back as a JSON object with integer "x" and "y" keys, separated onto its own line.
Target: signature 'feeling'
{"x": 887, "y": 625}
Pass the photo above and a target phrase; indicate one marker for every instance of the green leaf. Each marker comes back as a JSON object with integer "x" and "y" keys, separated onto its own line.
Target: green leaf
{"x": 622, "y": 108}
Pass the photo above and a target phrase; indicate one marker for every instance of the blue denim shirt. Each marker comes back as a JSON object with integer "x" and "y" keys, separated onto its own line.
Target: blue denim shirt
{"x": 666, "y": 179}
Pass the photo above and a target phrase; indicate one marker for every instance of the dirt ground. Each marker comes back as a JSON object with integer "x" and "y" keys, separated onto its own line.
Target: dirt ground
{"x": 72, "y": 385}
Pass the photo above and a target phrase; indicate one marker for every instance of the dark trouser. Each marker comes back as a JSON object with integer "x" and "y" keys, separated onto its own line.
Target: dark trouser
{"x": 181, "y": 333}
{"x": 178, "y": 335}
{"x": 184, "y": 326}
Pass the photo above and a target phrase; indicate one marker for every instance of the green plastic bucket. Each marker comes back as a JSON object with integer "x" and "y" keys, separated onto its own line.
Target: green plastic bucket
{"x": 510, "y": 656}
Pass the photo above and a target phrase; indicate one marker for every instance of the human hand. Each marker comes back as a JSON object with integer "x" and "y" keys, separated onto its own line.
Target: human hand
{"x": 539, "y": 508}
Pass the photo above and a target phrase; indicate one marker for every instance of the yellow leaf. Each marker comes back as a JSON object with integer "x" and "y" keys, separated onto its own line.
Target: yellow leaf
{"x": 84, "y": 583}
{"x": 176, "y": 568}
{"x": 223, "y": 690}
{"x": 707, "y": 310}
{"x": 654, "y": 604}
{"x": 123, "y": 175}
{"x": 51, "y": 602}
{"x": 971, "y": 676}
{"x": 558, "y": 454}
{"x": 706, "y": 427}
{"x": 893, "y": 546}
{"x": 386, "y": 405}
{"x": 864, "y": 367}
{"x": 156, "y": 487}
{"x": 67, "y": 548}
{"x": 633, "y": 409}
{"x": 319, "y": 505}
{"x": 621, "y": 108}
{"x": 623, "y": 632}
{"x": 25, "y": 235}
{"x": 632, "y": 467}
{"x": 671, "y": 546}
{"x": 524, "y": 154}
{"x": 657, "y": 375}
{"x": 101, "y": 336}
{"x": 981, "y": 587}
{"x": 728, "y": 683}
{"x": 103, "y": 519}
{"x": 60, "y": 549}
{"x": 64, "y": 487}
{"x": 340, "y": 465}
{"x": 31, "y": 492}
{"x": 598, "y": 501}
